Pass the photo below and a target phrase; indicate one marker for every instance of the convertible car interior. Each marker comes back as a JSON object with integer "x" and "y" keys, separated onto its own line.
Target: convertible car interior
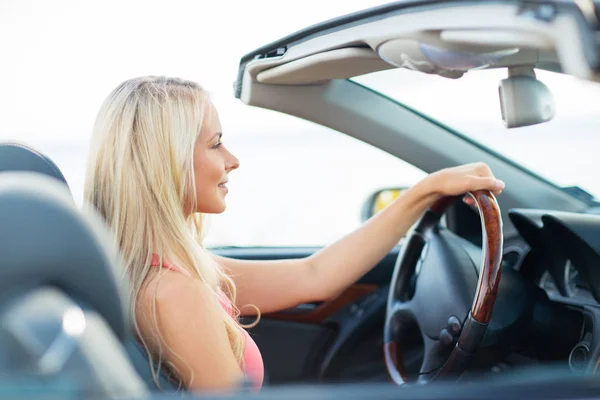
{"x": 496, "y": 300}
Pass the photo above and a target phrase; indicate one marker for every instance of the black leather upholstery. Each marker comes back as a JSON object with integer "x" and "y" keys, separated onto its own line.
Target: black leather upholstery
{"x": 65, "y": 254}
{"x": 21, "y": 157}
{"x": 138, "y": 357}
{"x": 46, "y": 241}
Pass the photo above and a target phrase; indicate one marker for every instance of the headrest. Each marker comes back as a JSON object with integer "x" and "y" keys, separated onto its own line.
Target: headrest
{"x": 20, "y": 157}
{"x": 46, "y": 241}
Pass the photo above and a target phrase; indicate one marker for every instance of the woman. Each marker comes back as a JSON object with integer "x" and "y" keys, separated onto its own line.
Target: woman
{"x": 157, "y": 164}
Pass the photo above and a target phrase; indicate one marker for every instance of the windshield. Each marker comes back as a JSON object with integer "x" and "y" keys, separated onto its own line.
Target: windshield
{"x": 563, "y": 150}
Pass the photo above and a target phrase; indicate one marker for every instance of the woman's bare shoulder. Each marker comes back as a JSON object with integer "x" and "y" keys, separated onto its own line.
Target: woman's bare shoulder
{"x": 166, "y": 287}
{"x": 190, "y": 323}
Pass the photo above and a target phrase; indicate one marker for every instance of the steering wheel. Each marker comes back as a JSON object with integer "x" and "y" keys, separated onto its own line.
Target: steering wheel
{"x": 432, "y": 289}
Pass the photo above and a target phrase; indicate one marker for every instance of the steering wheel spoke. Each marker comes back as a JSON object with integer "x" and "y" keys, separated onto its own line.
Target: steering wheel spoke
{"x": 400, "y": 320}
{"x": 435, "y": 354}
{"x": 399, "y": 316}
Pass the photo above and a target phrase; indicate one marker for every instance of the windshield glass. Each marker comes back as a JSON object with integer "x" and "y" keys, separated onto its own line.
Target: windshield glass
{"x": 563, "y": 150}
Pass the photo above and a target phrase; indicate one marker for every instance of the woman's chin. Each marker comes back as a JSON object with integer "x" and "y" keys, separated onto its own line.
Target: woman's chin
{"x": 216, "y": 209}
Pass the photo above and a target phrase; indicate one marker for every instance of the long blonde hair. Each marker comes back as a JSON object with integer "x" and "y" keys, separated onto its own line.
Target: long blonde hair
{"x": 141, "y": 180}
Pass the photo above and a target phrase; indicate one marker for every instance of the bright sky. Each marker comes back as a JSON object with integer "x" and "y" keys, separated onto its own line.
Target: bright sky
{"x": 62, "y": 57}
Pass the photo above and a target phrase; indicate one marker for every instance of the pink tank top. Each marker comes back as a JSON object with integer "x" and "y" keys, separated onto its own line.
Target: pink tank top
{"x": 254, "y": 368}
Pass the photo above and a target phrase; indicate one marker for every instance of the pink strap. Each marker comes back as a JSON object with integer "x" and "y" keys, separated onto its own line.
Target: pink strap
{"x": 155, "y": 262}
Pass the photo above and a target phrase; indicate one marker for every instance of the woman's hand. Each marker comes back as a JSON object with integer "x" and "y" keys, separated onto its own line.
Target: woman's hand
{"x": 462, "y": 179}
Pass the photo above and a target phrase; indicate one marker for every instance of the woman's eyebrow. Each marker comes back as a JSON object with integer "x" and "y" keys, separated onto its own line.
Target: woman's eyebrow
{"x": 219, "y": 134}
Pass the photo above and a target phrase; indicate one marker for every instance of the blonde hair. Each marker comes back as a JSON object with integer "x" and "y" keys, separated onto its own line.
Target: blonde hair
{"x": 141, "y": 179}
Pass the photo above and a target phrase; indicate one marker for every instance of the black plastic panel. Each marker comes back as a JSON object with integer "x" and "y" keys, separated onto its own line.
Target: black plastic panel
{"x": 290, "y": 350}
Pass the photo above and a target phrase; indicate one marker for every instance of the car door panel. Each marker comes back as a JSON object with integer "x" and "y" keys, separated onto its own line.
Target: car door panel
{"x": 291, "y": 351}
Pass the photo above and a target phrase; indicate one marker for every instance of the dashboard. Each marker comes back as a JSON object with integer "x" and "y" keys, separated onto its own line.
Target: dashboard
{"x": 576, "y": 286}
{"x": 565, "y": 249}
{"x": 564, "y": 261}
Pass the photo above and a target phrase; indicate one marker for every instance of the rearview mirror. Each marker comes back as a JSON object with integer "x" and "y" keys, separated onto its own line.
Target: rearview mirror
{"x": 524, "y": 100}
{"x": 379, "y": 200}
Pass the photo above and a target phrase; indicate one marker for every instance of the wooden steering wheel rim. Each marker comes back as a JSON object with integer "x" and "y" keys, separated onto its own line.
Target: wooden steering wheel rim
{"x": 485, "y": 295}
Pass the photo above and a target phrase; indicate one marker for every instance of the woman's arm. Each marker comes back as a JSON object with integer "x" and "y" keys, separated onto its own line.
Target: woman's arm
{"x": 280, "y": 284}
{"x": 277, "y": 285}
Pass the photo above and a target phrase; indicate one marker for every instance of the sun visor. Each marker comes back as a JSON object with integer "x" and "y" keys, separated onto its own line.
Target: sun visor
{"x": 334, "y": 64}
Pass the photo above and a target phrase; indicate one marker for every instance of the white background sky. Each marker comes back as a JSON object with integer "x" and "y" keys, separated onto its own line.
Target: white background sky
{"x": 60, "y": 59}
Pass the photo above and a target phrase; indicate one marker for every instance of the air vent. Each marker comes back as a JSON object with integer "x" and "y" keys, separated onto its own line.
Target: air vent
{"x": 513, "y": 257}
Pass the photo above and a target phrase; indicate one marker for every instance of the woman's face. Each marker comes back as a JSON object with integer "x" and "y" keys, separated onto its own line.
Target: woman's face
{"x": 212, "y": 165}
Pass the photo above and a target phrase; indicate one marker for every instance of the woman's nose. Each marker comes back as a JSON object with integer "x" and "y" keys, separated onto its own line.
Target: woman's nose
{"x": 232, "y": 162}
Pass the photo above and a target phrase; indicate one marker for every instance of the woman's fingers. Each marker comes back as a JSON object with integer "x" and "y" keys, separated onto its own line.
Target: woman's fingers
{"x": 466, "y": 178}
{"x": 469, "y": 200}
{"x": 488, "y": 182}
{"x": 492, "y": 184}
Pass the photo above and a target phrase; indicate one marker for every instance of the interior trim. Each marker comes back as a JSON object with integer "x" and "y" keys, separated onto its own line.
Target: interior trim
{"x": 326, "y": 309}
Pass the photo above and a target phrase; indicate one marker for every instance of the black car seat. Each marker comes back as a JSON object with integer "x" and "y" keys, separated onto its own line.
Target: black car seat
{"x": 15, "y": 157}
{"x": 63, "y": 310}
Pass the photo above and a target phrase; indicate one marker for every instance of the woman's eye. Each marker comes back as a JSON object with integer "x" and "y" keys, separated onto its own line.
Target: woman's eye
{"x": 216, "y": 146}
